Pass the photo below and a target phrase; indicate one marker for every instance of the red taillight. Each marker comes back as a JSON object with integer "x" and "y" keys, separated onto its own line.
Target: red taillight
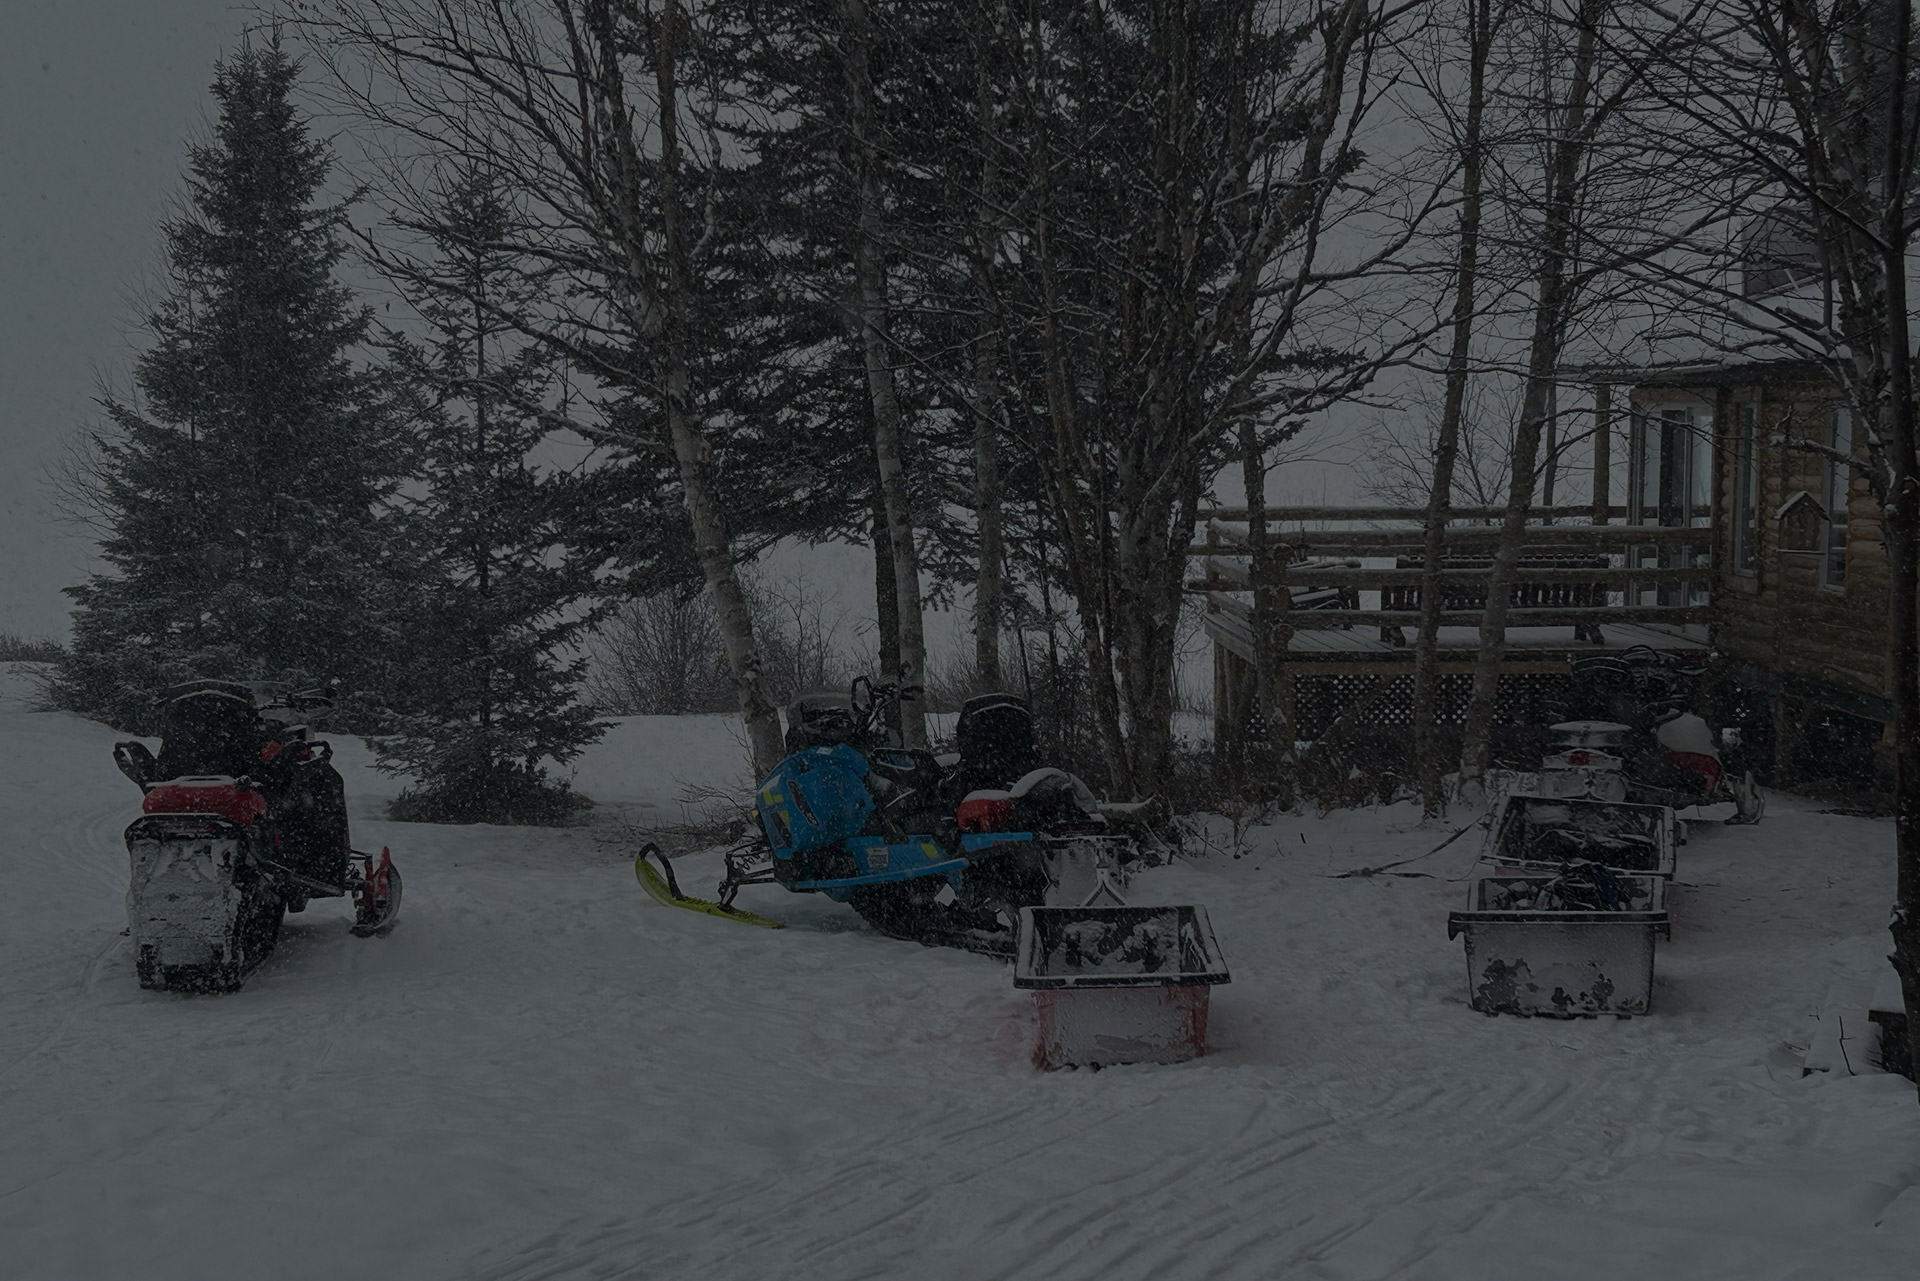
{"x": 1698, "y": 763}
{"x": 222, "y": 798}
{"x": 985, "y": 812}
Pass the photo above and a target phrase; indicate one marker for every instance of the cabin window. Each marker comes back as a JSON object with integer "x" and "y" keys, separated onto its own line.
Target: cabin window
{"x": 1673, "y": 466}
{"x": 1833, "y": 568}
{"x": 1746, "y": 489}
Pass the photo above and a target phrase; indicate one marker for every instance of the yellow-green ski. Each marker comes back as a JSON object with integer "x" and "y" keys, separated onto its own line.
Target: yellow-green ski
{"x": 663, "y": 888}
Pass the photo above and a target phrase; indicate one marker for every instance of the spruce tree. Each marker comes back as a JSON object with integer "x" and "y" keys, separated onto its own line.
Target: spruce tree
{"x": 239, "y": 493}
{"x": 484, "y": 677}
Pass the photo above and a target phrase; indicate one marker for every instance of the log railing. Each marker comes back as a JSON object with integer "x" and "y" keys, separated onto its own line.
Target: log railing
{"x": 1316, "y": 548}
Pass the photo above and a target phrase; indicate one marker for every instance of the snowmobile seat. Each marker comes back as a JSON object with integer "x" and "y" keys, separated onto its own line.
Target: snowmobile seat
{"x": 995, "y": 738}
{"x": 209, "y": 728}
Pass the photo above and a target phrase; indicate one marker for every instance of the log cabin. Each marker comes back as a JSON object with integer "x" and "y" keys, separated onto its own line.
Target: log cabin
{"x": 1798, "y": 588}
{"x": 1762, "y": 551}
{"x": 1742, "y": 539}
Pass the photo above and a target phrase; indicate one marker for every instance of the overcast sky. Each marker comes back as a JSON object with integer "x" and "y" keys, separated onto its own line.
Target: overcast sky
{"x": 97, "y": 101}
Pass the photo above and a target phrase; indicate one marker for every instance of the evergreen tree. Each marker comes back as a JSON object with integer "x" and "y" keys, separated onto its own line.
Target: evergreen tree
{"x": 239, "y": 495}
{"x": 485, "y": 675}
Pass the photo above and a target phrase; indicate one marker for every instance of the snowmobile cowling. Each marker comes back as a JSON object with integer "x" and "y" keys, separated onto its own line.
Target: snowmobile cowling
{"x": 814, "y": 800}
{"x": 986, "y": 811}
{"x": 222, "y": 796}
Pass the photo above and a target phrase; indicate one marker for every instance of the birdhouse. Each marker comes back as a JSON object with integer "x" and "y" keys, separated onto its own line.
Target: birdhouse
{"x": 1801, "y": 519}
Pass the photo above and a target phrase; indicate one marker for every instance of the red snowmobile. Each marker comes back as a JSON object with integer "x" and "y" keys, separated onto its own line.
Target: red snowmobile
{"x": 244, "y": 820}
{"x": 1639, "y": 739}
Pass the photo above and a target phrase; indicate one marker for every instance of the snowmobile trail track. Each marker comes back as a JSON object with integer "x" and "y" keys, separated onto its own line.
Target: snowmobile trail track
{"x": 89, "y": 975}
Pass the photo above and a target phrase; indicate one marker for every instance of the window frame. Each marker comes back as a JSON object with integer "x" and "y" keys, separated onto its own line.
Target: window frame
{"x": 1744, "y": 518}
{"x": 1837, "y": 492}
{"x": 1677, "y": 469}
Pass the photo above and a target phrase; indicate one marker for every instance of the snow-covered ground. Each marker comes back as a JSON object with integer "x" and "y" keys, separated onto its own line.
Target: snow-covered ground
{"x": 540, "y": 1074}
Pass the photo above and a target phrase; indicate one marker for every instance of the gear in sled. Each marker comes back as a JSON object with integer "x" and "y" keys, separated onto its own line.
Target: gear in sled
{"x": 939, "y": 850}
{"x": 244, "y": 819}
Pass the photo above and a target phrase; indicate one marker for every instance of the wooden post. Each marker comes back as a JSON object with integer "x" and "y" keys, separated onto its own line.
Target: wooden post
{"x": 1226, "y": 696}
{"x": 1222, "y": 692}
{"x": 1602, "y": 451}
{"x": 1280, "y": 679}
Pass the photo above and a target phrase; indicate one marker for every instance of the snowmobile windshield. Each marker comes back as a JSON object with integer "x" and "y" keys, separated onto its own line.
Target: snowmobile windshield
{"x": 995, "y": 733}
{"x": 821, "y": 719}
{"x": 210, "y": 730}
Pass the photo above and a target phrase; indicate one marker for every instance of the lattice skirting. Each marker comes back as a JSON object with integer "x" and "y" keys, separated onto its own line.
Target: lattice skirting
{"x": 1524, "y": 698}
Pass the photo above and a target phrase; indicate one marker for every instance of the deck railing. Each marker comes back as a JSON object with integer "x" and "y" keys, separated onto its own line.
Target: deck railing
{"x": 1579, "y": 575}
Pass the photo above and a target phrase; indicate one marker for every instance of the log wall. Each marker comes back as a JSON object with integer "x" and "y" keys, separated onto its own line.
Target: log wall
{"x": 1826, "y": 643}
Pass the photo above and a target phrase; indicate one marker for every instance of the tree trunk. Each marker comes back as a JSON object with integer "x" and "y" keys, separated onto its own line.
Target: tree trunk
{"x": 1155, "y": 480}
{"x": 1903, "y": 652}
{"x": 1061, "y": 466}
{"x": 1446, "y": 449}
{"x": 1258, "y": 733}
{"x": 1476, "y": 745}
{"x": 1602, "y": 453}
{"x": 1550, "y": 472}
{"x": 1565, "y": 155}
{"x": 886, "y": 605}
{"x": 482, "y": 553}
{"x": 988, "y": 609}
{"x": 1901, "y": 521}
{"x": 1263, "y": 745}
{"x": 669, "y": 324}
{"x": 870, "y": 272}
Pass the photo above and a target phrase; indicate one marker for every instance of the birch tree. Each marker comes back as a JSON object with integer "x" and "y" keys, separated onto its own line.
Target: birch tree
{"x": 1144, "y": 322}
{"x": 870, "y": 273}
{"x": 1574, "y": 188}
{"x": 1574, "y": 119}
{"x": 1481, "y": 28}
{"x": 602, "y": 118}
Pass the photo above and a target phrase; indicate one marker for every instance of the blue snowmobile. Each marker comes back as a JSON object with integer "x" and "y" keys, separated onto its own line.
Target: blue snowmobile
{"x": 940, "y": 853}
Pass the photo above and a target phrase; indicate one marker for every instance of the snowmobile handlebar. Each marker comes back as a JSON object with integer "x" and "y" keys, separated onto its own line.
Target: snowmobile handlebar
{"x": 879, "y": 697}
{"x": 319, "y": 698}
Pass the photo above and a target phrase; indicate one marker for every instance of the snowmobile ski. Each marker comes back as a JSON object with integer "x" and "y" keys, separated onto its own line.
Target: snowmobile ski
{"x": 376, "y": 894}
{"x": 662, "y": 886}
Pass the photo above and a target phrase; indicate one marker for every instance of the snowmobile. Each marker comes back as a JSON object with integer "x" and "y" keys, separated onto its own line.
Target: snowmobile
{"x": 1638, "y": 738}
{"x": 244, "y": 819}
{"x": 936, "y": 851}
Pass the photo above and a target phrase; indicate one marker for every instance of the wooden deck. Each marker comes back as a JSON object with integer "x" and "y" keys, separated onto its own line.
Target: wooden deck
{"x": 1581, "y": 589}
{"x": 1310, "y": 644}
